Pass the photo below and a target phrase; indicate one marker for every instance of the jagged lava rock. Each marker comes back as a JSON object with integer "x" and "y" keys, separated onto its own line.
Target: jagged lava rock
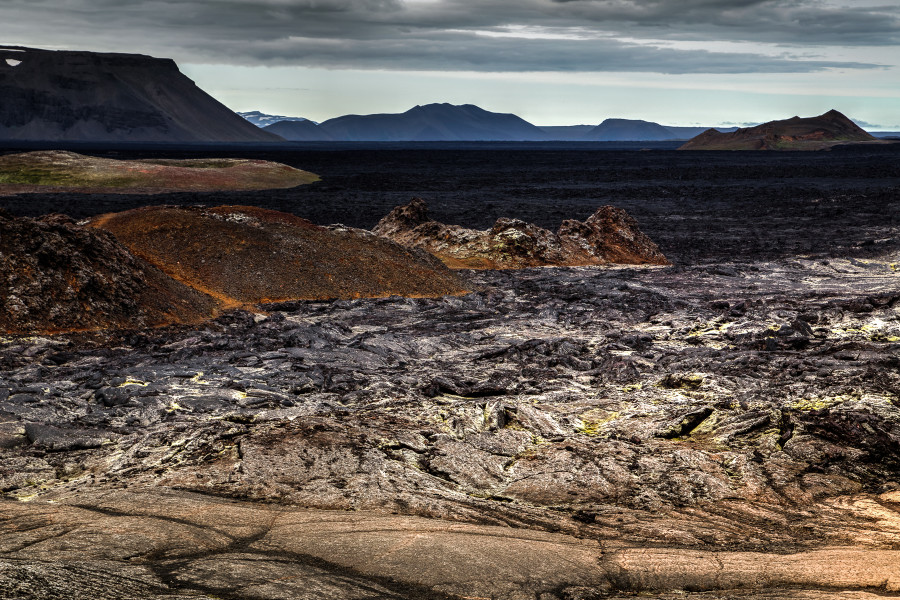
{"x": 810, "y": 133}
{"x": 609, "y": 236}
{"x": 88, "y": 96}
{"x": 242, "y": 254}
{"x": 57, "y": 276}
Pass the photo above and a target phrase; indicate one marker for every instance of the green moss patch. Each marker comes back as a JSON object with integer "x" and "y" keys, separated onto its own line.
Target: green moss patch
{"x": 68, "y": 171}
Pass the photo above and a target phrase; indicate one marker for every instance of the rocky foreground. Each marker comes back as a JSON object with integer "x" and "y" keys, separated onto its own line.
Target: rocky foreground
{"x": 721, "y": 431}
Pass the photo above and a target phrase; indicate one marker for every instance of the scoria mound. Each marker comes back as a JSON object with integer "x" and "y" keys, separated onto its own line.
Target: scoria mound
{"x": 241, "y": 254}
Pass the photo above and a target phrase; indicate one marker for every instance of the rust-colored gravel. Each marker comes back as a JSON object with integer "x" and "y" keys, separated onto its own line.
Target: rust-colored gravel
{"x": 242, "y": 255}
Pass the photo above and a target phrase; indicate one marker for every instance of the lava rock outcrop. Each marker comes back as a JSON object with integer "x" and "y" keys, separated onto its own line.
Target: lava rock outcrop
{"x": 609, "y": 236}
{"x": 241, "y": 254}
{"x": 810, "y": 133}
{"x": 88, "y": 96}
{"x": 56, "y": 276}
{"x": 60, "y": 171}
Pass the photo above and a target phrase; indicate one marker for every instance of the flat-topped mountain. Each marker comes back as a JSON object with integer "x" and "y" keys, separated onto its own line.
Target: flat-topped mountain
{"x": 618, "y": 130}
{"x": 434, "y": 122}
{"x": 796, "y": 133}
{"x": 87, "y": 96}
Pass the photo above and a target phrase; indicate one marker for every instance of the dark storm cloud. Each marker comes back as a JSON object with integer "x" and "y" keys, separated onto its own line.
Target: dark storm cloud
{"x": 460, "y": 51}
{"x": 590, "y": 35}
{"x": 802, "y": 22}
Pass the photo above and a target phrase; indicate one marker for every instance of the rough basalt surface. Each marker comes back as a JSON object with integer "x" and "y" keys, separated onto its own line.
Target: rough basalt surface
{"x": 704, "y": 432}
{"x": 242, "y": 254}
{"x": 57, "y": 276}
{"x": 609, "y": 236}
{"x": 56, "y": 171}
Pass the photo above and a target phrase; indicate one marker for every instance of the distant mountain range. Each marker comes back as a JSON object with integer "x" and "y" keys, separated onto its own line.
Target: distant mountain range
{"x": 78, "y": 96}
{"x": 432, "y": 122}
{"x": 87, "y": 96}
{"x": 450, "y": 123}
{"x": 796, "y": 133}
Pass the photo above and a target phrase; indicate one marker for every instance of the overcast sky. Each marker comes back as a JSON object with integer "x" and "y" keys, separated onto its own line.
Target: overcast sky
{"x": 553, "y": 62}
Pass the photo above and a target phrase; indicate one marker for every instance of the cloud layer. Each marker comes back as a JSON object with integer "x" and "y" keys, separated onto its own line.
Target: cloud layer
{"x": 468, "y": 35}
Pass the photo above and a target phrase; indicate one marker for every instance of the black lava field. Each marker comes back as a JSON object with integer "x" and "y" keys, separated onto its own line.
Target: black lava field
{"x": 698, "y": 206}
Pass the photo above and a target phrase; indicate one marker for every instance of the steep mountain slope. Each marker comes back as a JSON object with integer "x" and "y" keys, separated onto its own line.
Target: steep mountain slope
{"x": 299, "y": 131}
{"x": 810, "y": 133}
{"x": 87, "y": 96}
{"x": 434, "y": 122}
{"x": 618, "y": 130}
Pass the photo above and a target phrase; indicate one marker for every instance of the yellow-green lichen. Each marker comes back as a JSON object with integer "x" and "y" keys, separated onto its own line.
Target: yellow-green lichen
{"x": 593, "y": 421}
{"x": 815, "y": 403}
{"x": 131, "y": 381}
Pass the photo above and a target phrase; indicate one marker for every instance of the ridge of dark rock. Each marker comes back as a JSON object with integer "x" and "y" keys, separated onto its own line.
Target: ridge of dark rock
{"x": 609, "y": 236}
